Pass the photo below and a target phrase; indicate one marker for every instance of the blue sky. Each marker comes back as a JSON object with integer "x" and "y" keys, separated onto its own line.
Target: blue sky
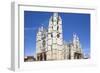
{"x": 71, "y": 23}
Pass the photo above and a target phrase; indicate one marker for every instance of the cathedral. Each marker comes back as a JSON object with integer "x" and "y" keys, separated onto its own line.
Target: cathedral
{"x": 50, "y": 44}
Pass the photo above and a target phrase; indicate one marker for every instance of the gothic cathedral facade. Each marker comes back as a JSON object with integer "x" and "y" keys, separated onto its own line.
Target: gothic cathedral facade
{"x": 50, "y": 44}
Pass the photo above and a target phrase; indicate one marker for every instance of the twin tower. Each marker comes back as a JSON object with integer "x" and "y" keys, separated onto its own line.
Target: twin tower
{"x": 50, "y": 44}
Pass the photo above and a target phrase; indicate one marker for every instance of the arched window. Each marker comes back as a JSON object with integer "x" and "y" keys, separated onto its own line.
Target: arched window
{"x": 43, "y": 43}
{"x": 58, "y": 35}
{"x": 51, "y": 35}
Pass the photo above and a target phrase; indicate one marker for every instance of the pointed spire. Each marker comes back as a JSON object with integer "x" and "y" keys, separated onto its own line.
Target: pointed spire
{"x": 55, "y": 14}
{"x": 77, "y": 38}
{"x": 60, "y": 18}
{"x": 74, "y": 36}
{"x": 41, "y": 28}
{"x": 50, "y": 18}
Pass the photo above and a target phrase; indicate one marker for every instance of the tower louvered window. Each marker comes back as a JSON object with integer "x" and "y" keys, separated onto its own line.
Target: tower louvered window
{"x": 57, "y": 27}
{"x": 51, "y": 35}
{"x": 58, "y": 35}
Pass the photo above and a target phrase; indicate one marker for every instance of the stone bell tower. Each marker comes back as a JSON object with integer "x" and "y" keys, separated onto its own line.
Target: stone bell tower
{"x": 55, "y": 38}
{"x": 41, "y": 44}
{"x": 76, "y": 50}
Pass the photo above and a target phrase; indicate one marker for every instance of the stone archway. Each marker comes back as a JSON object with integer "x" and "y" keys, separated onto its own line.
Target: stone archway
{"x": 77, "y": 55}
{"x": 41, "y": 56}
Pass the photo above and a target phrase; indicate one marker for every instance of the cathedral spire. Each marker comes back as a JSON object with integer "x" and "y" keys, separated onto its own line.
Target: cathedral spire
{"x": 55, "y": 14}
{"x": 74, "y": 37}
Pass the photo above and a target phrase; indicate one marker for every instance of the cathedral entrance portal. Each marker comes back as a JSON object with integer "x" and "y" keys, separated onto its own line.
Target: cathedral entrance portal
{"x": 77, "y": 55}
